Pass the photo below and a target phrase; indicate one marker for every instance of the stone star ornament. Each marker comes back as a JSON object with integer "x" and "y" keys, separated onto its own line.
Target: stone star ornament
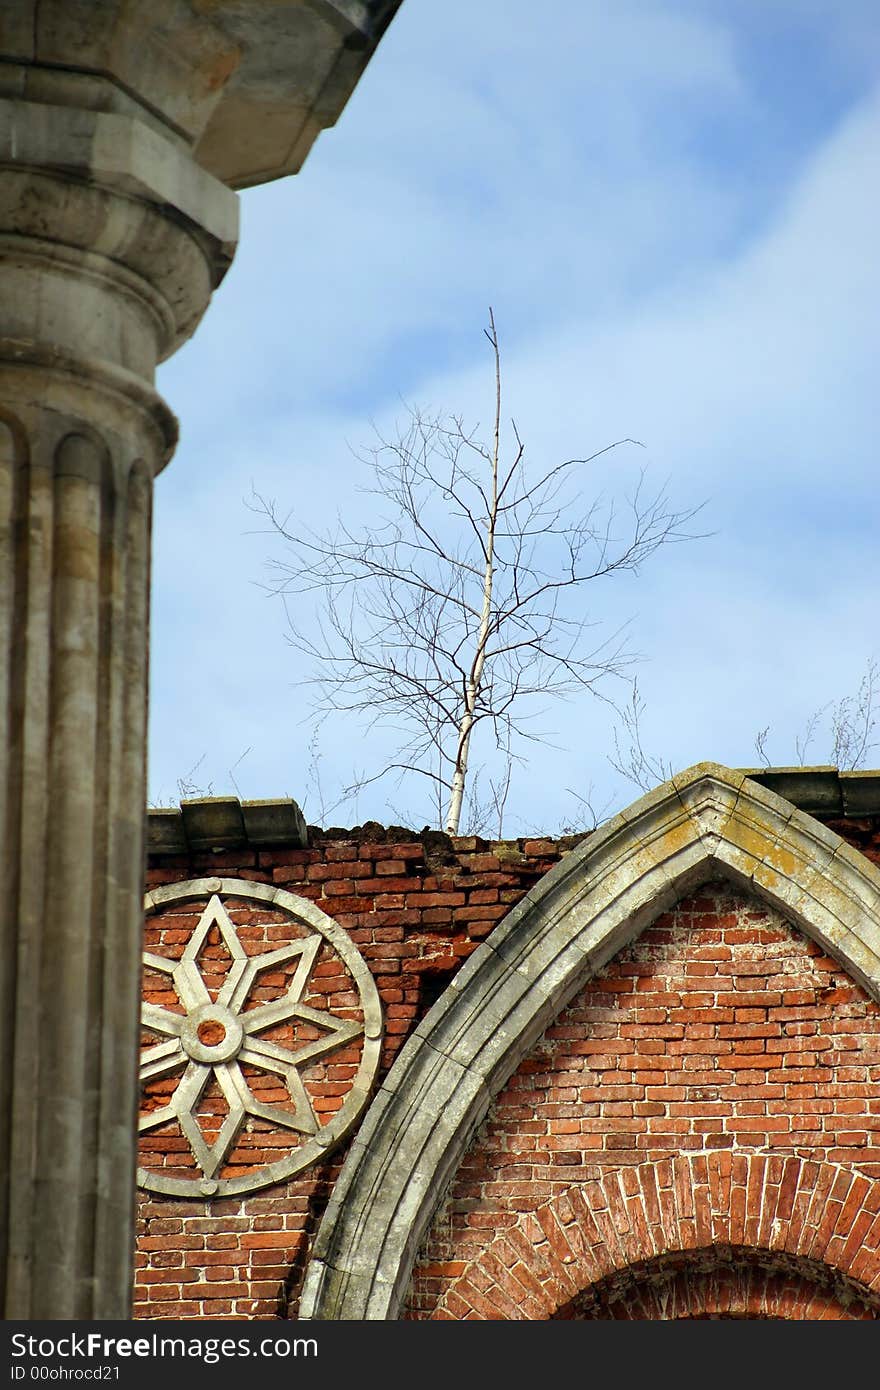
{"x": 215, "y": 1036}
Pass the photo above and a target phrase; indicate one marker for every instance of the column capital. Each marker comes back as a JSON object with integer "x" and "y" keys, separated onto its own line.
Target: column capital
{"x": 120, "y": 153}
{"x": 112, "y": 240}
{"x": 247, "y": 87}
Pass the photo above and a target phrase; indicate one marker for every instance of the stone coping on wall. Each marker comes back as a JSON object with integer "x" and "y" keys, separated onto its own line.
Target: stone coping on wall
{"x": 215, "y": 823}
{"x": 212, "y": 823}
{"x": 822, "y": 791}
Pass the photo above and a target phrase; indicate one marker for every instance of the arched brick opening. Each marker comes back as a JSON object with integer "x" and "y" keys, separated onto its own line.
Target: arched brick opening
{"x": 706, "y": 824}
{"x": 817, "y": 1223}
{"x": 724, "y": 1283}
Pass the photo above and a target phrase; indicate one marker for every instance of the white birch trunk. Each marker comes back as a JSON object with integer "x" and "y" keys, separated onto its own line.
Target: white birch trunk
{"x": 472, "y": 687}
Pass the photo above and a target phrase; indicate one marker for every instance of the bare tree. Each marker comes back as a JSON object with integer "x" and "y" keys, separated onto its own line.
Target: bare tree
{"x": 191, "y": 786}
{"x": 454, "y": 613}
{"x": 851, "y": 721}
{"x": 631, "y": 760}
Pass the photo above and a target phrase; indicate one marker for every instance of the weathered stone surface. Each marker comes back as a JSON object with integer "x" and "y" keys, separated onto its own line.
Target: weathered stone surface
{"x": 813, "y": 789}
{"x": 824, "y": 791}
{"x": 225, "y": 823}
{"x": 121, "y": 128}
{"x": 275, "y": 822}
{"x": 212, "y": 821}
{"x": 706, "y": 823}
{"x": 860, "y": 792}
{"x": 179, "y": 1064}
{"x": 73, "y": 624}
{"x": 246, "y": 87}
{"x": 165, "y": 832}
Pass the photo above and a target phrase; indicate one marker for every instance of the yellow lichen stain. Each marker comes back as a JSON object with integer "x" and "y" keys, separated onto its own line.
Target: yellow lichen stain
{"x": 220, "y": 71}
{"x": 766, "y": 876}
{"x": 674, "y": 838}
{"x": 782, "y": 860}
{"x": 759, "y": 845}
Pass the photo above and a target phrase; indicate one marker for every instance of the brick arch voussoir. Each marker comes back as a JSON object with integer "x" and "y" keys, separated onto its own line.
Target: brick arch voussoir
{"x": 795, "y": 1208}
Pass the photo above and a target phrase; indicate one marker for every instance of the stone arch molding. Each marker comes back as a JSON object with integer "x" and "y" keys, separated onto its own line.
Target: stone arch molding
{"x": 708, "y": 822}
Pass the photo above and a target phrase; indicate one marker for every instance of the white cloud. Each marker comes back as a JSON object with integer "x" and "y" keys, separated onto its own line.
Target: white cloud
{"x": 639, "y": 292}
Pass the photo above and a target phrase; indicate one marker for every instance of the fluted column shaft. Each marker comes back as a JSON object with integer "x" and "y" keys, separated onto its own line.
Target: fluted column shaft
{"x": 111, "y": 241}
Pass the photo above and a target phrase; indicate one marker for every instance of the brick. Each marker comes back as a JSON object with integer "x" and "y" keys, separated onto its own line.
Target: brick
{"x": 645, "y": 1075}
{"x": 423, "y": 900}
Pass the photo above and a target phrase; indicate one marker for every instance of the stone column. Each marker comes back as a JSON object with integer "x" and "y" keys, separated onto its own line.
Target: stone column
{"x": 111, "y": 241}
{"x": 124, "y": 128}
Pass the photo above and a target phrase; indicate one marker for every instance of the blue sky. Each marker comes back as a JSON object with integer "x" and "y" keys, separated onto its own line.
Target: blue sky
{"x": 673, "y": 209}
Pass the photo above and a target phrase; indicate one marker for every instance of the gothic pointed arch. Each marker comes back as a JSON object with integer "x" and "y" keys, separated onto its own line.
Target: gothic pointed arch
{"x": 706, "y": 823}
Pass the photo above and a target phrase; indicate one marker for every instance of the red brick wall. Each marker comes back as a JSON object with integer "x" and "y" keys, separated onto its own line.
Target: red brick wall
{"x": 721, "y": 1029}
{"x": 416, "y": 907}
